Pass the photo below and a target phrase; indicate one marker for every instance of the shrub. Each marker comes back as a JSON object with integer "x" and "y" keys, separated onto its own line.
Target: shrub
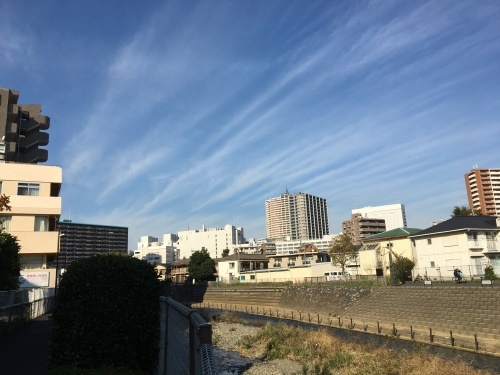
{"x": 402, "y": 267}
{"x": 107, "y": 314}
{"x": 489, "y": 273}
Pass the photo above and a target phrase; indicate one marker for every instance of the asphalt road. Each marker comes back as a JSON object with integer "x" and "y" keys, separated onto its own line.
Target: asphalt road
{"x": 25, "y": 350}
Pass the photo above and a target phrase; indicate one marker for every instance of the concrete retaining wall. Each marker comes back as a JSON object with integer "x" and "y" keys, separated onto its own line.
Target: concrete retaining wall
{"x": 463, "y": 309}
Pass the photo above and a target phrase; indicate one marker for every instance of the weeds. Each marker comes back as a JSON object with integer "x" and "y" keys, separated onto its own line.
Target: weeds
{"x": 320, "y": 353}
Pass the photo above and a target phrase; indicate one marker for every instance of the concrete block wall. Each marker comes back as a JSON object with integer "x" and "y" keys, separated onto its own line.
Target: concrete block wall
{"x": 464, "y": 310}
{"x": 332, "y": 301}
{"x": 269, "y": 297}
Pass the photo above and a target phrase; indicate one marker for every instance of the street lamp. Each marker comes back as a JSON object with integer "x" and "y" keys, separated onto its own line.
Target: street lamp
{"x": 57, "y": 261}
{"x": 389, "y": 247}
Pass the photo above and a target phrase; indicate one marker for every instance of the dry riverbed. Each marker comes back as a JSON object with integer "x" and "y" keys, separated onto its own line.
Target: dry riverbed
{"x": 226, "y": 352}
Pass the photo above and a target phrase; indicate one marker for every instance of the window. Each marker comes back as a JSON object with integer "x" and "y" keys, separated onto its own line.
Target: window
{"x": 32, "y": 262}
{"x": 0, "y": 187}
{"x": 429, "y": 241}
{"x": 5, "y": 222}
{"x": 41, "y": 223}
{"x": 24, "y": 188}
{"x": 433, "y": 265}
{"x": 252, "y": 277}
{"x": 231, "y": 265}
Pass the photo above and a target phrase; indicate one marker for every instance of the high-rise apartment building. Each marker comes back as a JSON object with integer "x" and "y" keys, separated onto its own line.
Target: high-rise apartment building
{"x": 393, "y": 214}
{"x": 483, "y": 190}
{"x": 296, "y": 216}
{"x": 21, "y": 128}
{"x": 78, "y": 241}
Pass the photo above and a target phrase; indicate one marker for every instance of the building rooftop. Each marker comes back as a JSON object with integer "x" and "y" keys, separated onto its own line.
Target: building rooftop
{"x": 242, "y": 257}
{"x": 458, "y": 223}
{"x": 397, "y": 232}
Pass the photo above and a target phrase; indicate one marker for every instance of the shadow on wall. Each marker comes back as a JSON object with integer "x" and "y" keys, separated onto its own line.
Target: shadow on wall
{"x": 186, "y": 293}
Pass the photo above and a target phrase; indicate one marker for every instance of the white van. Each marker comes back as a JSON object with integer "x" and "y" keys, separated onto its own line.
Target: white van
{"x": 337, "y": 275}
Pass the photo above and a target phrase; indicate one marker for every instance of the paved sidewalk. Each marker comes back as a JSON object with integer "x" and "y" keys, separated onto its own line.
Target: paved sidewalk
{"x": 26, "y": 349}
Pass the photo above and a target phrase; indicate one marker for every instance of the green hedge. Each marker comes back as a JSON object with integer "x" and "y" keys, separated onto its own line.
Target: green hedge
{"x": 107, "y": 314}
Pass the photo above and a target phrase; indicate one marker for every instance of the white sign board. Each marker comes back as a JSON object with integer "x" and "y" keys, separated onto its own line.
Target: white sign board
{"x": 34, "y": 279}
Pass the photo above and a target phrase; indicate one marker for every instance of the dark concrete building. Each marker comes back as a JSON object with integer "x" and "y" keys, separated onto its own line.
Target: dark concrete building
{"x": 79, "y": 241}
{"x": 21, "y": 126}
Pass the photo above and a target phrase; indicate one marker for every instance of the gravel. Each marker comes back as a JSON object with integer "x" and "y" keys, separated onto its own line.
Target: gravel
{"x": 226, "y": 337}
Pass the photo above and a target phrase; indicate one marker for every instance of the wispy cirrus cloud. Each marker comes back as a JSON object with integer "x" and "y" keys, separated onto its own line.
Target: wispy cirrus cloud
{"x": 208, "y": 110}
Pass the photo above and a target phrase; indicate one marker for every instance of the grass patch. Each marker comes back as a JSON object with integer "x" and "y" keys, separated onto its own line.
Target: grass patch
{"x": 321, "y": 353}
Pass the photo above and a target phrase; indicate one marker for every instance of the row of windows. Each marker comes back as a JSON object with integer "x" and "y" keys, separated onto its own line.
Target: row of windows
{"x": 25, "y": 188}
{"x": 41, "y": 223}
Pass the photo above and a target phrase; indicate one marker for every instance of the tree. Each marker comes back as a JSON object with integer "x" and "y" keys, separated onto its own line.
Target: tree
{"x": 342, "y": 251}
{"x": 464, "y": 211}
{"x": 201, "y": 266}
{"x": 10, "y": 262}
{"x": 225, "y": 252}
{"x": 401, "y": 268}
{"x": 4, "y": 203}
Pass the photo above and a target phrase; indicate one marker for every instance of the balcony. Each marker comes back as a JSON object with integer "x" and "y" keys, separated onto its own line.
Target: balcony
{"x": 37, "y": 242}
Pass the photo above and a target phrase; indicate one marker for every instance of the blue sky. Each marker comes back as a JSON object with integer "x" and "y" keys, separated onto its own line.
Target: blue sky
{"x": 167, "y": 115}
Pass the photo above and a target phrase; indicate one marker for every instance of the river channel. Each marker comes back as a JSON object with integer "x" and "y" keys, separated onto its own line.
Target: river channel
{"x": 476, "y": 360}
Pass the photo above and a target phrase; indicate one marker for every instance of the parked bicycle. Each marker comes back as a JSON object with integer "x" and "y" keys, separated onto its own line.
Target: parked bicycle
{"x": 458, "y": 276}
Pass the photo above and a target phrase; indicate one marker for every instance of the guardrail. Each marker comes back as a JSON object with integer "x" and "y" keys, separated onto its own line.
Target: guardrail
{"x": 25, "y": 304}
{"x": 185, "y": 341}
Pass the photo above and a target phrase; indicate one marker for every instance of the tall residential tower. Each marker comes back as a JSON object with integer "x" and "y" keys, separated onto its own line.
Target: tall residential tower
{"x": 483, "y": 190}
{"x": 296, "y": 216}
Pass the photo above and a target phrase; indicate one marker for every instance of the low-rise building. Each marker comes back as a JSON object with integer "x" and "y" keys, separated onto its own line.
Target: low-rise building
{"x": 179, "y": 271}
{"x": 36, "y": 207}
{"x": 469, "y": 243}
{"x": 156, "y": 252}
{"x": 232, "y": 267}
{"x": 215, "y": 240}
{"x": 379, "y": 250}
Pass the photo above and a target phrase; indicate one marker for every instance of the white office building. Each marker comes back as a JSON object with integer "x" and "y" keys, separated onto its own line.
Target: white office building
{"x": 393, "y": 214}
{"x": 215, "y": 240}
{"x": 158, "y": 252}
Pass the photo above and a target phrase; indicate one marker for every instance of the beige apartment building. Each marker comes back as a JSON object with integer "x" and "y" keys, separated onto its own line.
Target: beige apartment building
{"x": 36, "y": 207}
{"x": 483, "y": 190}
{"x": 360, "y": 227}
{"x": 297, "y": 216}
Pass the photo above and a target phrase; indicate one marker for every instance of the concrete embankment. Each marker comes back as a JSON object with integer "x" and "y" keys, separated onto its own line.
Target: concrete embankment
{"x": 456, "y": 315}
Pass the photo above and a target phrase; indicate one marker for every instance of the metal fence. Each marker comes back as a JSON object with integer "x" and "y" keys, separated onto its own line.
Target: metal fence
{"x": 445, "y": 273}
{"x": 25, "y": 303}
{"x": 185, "y": 341}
